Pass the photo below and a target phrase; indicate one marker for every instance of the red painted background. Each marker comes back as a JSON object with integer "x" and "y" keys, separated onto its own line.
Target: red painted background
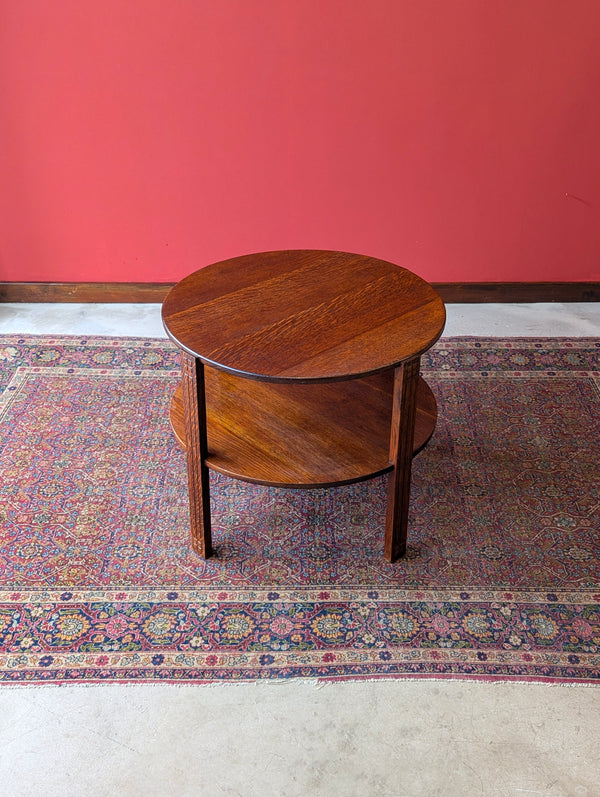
{"x": 141, "y": 139}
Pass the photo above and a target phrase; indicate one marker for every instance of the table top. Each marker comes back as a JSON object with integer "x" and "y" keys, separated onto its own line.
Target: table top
{"x": 303, "y": 315}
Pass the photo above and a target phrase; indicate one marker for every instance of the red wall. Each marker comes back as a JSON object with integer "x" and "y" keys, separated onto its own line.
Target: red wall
{"x": 141, "y": 139}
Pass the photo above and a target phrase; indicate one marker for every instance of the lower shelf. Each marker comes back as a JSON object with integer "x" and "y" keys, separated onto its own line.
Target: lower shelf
{"x": 302, "y": 435}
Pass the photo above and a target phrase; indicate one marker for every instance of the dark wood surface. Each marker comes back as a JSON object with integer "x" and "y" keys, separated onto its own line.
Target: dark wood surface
{"x": 303, "y": 315}
{"x": 85, "y": 292}
{"x": 302, "y": 435}
{"x": 193, "y": 395}
{"x": 517, "y": 292}
{"x": 403, "y": 428}
{"x": 301, "y": 368}
{"x": 156, "y": 292}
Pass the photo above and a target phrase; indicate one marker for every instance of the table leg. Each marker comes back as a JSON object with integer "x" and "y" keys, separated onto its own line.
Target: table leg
{"x": 406, "y": 377}
{"x": 194, "y": 410}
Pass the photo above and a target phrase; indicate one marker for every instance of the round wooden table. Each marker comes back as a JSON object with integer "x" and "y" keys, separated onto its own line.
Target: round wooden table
{"x": 301, "y": 369}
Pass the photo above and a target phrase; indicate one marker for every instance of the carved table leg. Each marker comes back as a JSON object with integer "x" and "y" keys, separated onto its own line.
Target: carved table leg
{"x": 194, "y": 410}
{"x": 406, "y": 377}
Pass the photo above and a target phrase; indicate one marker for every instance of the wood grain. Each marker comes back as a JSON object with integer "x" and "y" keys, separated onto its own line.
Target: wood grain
{"x": 301, "y": 369}
{"x": 406, "y": 378}
{"x": 194, "y": 412}
{"x": 302, "y": 435}
{"x": 303, "y": 315}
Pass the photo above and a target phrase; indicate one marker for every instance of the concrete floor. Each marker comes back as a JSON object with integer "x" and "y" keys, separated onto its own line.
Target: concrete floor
{"x": 363, "y": 738}
{"x": 143, "y": 320}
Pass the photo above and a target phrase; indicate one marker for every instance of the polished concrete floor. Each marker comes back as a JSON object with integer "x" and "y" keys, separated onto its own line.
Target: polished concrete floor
{"x": 364, "y": 738}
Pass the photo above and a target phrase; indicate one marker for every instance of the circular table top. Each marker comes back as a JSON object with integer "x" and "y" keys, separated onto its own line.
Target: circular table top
{"x": 303, "y": 315}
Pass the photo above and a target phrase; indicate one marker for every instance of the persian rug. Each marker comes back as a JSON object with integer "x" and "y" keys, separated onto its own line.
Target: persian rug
{"x": 98, "y": 582}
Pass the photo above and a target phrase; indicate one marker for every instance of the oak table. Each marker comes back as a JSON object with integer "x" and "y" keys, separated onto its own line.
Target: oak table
{"x": 301, "y": 369}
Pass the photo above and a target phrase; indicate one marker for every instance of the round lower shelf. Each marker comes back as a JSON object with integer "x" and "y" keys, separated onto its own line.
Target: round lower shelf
{"x": 302, "y": 435}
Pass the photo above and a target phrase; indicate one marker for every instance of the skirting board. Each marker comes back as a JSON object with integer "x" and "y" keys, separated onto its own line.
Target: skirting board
{"x": 155, "y": 292}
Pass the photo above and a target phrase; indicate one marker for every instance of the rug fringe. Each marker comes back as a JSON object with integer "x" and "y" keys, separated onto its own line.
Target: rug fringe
{"x": 317, "y": 683}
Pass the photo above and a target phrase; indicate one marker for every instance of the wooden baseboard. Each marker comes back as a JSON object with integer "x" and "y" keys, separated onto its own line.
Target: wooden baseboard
{"x": 85, "y": 292}
{"x": 518, "y": 292}
{"x": 155, "y": 292}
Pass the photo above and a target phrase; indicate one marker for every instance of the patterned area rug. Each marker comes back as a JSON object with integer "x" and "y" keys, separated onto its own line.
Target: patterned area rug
{"x": 98, "y": 581}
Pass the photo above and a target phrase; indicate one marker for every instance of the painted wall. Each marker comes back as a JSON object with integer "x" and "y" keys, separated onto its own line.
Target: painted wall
{"x": 141, "y": 139}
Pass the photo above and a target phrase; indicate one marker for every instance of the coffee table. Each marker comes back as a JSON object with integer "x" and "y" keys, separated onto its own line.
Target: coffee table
{"x": 300, "y": 369}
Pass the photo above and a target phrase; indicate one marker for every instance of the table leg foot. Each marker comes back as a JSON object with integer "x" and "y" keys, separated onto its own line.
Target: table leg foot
{"x": 406, "y": 378}
{"x": 194, "y": 409}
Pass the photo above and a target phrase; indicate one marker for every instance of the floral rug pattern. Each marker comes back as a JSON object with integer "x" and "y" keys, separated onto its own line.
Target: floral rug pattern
{"x": 98, "y": 581}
